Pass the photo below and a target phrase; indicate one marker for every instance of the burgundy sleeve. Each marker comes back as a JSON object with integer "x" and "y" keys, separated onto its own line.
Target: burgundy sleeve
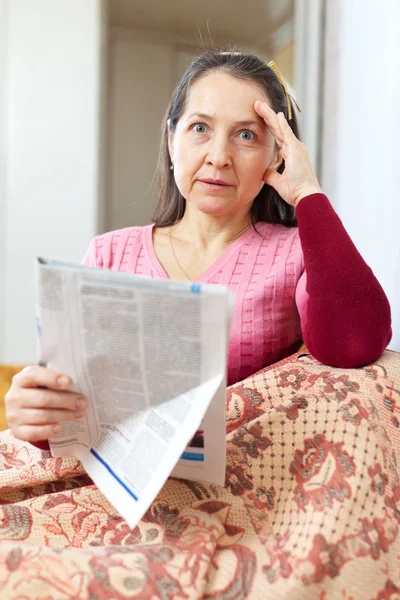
{"x": 347, "y": 321}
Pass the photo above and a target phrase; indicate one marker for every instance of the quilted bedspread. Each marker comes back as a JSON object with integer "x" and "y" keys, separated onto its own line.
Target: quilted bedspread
{"x": 311, "y": 506}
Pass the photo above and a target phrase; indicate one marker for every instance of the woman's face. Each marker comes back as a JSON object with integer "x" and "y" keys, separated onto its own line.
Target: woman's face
{"x": 221, "y": 137}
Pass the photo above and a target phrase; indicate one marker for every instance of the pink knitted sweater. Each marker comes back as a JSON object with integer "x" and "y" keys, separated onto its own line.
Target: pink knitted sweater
{"x": 266, "y": 270}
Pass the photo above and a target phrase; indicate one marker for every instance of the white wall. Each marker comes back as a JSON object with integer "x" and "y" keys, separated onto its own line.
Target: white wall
{"x": 3, "y": 143}
{"x": 330, "y": 99}
{"x": 368, "y": 185}
{"x": 50, "y": 113}
{"x": 308, "y": 54}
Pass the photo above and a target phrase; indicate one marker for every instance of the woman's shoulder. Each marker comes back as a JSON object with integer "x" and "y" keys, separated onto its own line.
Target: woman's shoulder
{"x": 277, "y": 231}
{"x": 119, "y": 236}
{"x": 279, "y": 241}
{"x": 108, "y": 248}
{"x": 277, "y": 244}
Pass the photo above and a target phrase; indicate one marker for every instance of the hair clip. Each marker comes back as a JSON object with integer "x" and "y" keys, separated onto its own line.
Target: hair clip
{"x": 279, "y": 75}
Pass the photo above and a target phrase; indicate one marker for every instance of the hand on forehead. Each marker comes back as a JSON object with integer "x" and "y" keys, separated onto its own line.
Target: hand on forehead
{"x": 222, "y": 97}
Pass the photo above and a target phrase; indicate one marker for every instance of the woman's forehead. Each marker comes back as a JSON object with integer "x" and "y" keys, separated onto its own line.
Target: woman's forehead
{"x": 220, "y": 91}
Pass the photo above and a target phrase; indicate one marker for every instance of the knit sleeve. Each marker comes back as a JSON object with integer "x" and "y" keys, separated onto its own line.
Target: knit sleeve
{"x": 345, "y": 314}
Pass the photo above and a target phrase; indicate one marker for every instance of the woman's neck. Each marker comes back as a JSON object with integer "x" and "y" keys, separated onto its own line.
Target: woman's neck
{"x": 204, "y": 230}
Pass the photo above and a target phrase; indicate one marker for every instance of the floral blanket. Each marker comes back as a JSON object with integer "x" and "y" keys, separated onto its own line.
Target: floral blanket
{"x": 311, "y": 507}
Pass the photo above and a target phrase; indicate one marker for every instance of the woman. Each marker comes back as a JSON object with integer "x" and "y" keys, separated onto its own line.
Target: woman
{"x": 232, "y": 172}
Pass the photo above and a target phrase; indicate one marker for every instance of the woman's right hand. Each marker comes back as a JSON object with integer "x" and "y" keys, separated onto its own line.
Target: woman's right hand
{"x": 38, "y": 401}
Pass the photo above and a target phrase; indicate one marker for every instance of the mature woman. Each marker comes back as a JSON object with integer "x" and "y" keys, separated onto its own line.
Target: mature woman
{"x": 233, "y": 173}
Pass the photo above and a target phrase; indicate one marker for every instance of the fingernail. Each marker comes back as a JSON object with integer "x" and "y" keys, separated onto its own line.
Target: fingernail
{"x": 56, "y": 429}
{"x": 80, "y": 404}
{"x": 63, "y": 380}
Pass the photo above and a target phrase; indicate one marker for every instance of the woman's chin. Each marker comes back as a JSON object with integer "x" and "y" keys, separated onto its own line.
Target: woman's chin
{"x": 214, "y": 206}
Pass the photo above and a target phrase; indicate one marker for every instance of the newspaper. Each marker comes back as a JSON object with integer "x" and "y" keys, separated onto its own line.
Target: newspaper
{"x": 150, "y": 357}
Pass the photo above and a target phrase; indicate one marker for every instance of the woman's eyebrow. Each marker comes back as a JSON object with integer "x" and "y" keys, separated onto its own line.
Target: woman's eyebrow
{"x": 260, "y": 123}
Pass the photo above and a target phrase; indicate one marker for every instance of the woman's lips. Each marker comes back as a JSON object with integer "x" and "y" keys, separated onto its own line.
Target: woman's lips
{"x": 214, "y": 186}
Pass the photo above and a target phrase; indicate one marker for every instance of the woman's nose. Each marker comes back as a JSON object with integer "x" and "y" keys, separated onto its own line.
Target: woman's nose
{"x": 219, "y": 154}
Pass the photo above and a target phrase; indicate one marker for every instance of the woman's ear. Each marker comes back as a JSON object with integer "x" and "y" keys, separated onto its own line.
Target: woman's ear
{"x": 277, "y": 161}
{"x": 274, "y": 165}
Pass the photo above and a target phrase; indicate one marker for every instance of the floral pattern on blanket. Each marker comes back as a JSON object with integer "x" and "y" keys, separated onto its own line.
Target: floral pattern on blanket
{"x": 311, "y": 507}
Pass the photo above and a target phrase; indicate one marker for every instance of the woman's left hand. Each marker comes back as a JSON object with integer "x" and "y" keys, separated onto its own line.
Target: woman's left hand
{"x": 298, "y": 179}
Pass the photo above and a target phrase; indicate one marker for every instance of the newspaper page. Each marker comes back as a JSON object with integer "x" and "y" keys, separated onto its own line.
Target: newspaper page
{"x": 150, "y": 357}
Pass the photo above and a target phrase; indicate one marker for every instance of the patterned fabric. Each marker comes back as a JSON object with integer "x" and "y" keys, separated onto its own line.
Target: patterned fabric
{"x": 311, "y": 507}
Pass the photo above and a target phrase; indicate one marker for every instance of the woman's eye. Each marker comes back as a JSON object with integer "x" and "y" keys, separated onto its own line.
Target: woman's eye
{"x": 250, "y": 135}
{"x": 200, "y": 128}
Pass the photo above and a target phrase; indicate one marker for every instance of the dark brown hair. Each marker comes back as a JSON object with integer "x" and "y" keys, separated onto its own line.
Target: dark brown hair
{"x": 268, "y": 206}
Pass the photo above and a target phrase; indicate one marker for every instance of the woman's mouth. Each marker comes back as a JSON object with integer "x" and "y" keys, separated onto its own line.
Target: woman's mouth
{"x": 214, "y": 186}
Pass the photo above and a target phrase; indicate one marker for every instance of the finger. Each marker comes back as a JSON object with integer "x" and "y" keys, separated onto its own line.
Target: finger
{"x": 271, "y": 120}
{"x": 37, "y": 376}
{"x": 287, "y": 131}
{"x": 280, "y": 125}
{"x": 33, "y": 433}
{"x": 37, "y": 416}
{"x": 50, "y": 399}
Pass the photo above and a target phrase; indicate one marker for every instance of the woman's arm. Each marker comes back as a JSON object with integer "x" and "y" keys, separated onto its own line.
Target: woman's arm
{"x": 345, "y": 314}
